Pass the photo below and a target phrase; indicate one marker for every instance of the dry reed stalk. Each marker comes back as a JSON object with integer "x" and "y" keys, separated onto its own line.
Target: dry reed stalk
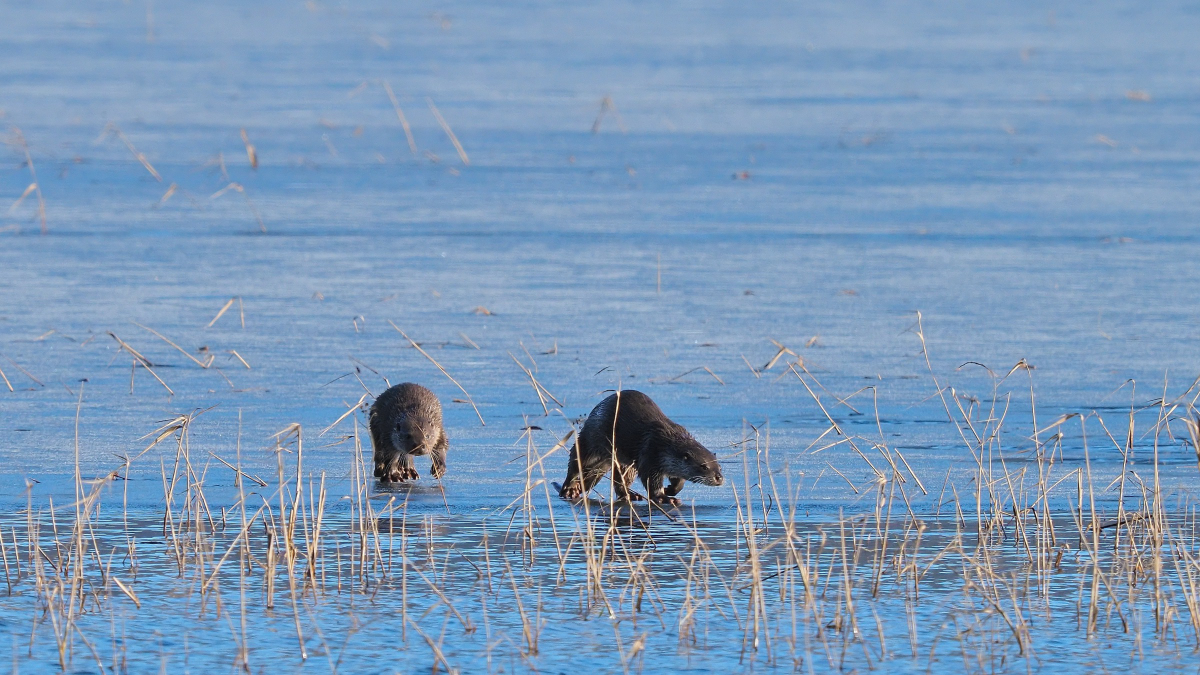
{"x": 113, "y": 129}
{"x": 607, "y": 106}
{"x": 251, "y": 152}
{"x": 437, "y": 651}
{"x": 541, "y": 391}
{"x": 531, "y": 629}
{"x": 593, "y": 559}
{"x": 754, "y": 370}
{"x": 225, "y": 308}
{"x": 139, "y": 360}
{"x": 4, "y": 553}
{"x": 940, "y": 390}
{"x": 181, "y": 350}
{"x": 439, "y": 367}
{"x": 239, "y": 188}
{"x": 779, "y": 354}
{"x": 689, "y": 372}
{"x": 350, "y": 411}
{"x": 35, "y": 186}
{"x": 849, "y": 439}
{"x": 239, "y": 544}
{"x": 757, "y": 622}
{"x": 550, "y": 506}
{"x": 313, "y": 536}
{"x": 171, "y": 190}
{"x": 287, "y": 519}
{"x": 20, "y": 200}
{"x": 240, "y": 359}
{"x": 412, "y": 144}
{"x": 24, "y": 372}
{"x": 1157, "y": 523}
{"x": 462, "y": 154}
{"x": 239, "y": 472}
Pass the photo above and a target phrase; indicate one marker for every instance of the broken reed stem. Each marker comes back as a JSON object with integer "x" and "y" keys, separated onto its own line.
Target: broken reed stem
{"x": 439, "y": 367}
{"x": 241, "y": 189}
{"x": 139, "y": 360}
{"x": 251, "y": 151}
{"x": 181, "y": 350}
{"x": 607, "y": 106}
{"x": 412, "y": 144}
{"x": 462, "y": 154}
{"x": 225, "y": 308}
{"x": 36, "y": 186}
{"x": 542, "y": 392}
{"x": 24, "y": 372}
{"x": 111, "y": 128}
{"x": 6, "y": 382}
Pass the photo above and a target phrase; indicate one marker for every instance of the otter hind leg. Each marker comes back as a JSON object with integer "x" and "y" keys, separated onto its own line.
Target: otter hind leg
{"x": 576, "y": 486}
{"x": 622, "y": 479}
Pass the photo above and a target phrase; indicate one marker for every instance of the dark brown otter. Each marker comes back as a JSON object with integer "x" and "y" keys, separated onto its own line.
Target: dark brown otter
{"x": 628, "y": 433}
{"x": 406, "y": 421}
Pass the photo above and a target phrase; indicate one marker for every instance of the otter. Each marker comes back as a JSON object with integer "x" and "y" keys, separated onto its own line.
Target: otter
{"x": 628, "y": 433}
{"x": 406, "y": 421}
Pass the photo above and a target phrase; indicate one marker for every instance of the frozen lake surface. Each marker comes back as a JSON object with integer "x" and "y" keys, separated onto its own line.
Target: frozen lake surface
{"x": 659, "y": 198}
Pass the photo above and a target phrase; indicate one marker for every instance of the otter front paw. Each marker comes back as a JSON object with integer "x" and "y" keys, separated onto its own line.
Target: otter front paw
{"x": 667, "y": 500}
{"x": 674, "y": 487}
{"x": 572, "y": 492}
{"x": 634, "y": 497}
{"x": 402, "y": 473}
{"x": 437, "y": 471}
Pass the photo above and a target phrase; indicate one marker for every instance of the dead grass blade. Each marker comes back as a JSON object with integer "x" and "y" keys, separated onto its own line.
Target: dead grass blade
{"x": 439, "y": 367}
{"x": 462, "y": 154}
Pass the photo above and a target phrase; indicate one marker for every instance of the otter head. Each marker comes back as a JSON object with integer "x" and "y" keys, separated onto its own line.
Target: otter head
{"x": 684, "y": 457}
{"x": 412, "y": 436}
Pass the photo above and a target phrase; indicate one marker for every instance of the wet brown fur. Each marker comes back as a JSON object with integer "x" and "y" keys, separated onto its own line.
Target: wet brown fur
{"x": 406, "y": 421}
{"x": 628, "y": 433}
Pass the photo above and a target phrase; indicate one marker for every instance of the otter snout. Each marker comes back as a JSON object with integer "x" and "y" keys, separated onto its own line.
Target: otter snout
{"x": 410, "y": 439}
{"x": 710, "y": 474}
{"x": 716, "y": 478}
{"x": 418, "y": 448}
{"x": 702, "y": 465}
